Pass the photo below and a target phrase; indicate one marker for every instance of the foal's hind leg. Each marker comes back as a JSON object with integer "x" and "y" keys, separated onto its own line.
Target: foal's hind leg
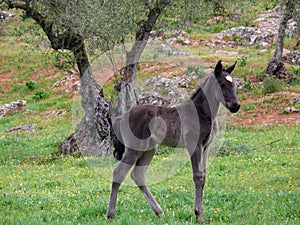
{"x": 119, "y": 174}
{"x": 138, "y": 174}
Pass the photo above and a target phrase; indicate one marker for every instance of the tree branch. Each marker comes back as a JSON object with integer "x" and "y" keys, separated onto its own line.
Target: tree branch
{"x": 146, "y": 26}
{"x": 143, "y": 34}
{"x": 290, "y": 7}
{"x": 66, "y": 40}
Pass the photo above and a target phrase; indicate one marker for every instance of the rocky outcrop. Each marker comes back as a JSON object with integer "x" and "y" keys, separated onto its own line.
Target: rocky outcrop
{"x": 171, "y": 50}
{"x": 263, "y": 34}
{"x": 70, "y": 82}
{"x": 12, "y": 108}
{"x": 55, "y": 113}
{"x": 23, "y": 128}
{"x": 166, "y": 91}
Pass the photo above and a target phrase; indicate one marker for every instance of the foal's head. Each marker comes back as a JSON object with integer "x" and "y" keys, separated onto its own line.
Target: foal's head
{"x": 228, "y": 96}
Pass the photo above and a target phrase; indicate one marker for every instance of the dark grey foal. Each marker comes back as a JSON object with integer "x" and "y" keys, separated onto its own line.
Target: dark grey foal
{"x": 192, "y": 125}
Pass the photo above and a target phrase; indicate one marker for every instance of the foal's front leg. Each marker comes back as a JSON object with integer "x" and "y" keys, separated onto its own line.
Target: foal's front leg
{"x": 198, "y": 160}
{"x": 119, "y": 174}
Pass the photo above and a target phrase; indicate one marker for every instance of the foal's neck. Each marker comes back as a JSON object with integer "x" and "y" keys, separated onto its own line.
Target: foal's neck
{"x": 205, "y": 99}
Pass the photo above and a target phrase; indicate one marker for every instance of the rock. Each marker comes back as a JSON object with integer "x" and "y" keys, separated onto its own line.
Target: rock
{"x": 23, "y": 128}
{"x": 74, "y": 87}
{"x": 12, "y": 108}
{"x": 56, "y": 113}
{"x": 172, "y": 51}
{"x": 291, "y": 109}
{"x": 64, "y": 81}
{"x": 285, "y": 52}
{"x": 292, "y": 58}
{"x": 4, "y": 16}
{"x": 164, "y": 48}
{"x": 295, "y": 100}
{"x": 228, "y": 53}
{"x": 71, "y": 82}
{"x": 182, "y": 38}
{"x": 154, "y": 99}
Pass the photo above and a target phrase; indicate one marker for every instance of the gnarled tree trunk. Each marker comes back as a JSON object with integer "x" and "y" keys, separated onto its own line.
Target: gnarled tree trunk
{"x": 276, "y": 66}
{"x": 128, "y": 96}
{"x": 93, "y": 132}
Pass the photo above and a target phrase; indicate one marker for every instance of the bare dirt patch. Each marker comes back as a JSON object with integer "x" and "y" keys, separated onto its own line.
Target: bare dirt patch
{"x": 267, "y": 110}
{"x": 5, "y": 76}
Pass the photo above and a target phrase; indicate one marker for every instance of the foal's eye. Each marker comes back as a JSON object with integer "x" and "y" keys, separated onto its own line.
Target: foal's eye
{"x": 223, "y": 85}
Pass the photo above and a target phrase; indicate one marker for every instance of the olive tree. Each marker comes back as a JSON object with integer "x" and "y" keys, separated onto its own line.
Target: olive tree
{"x": 71, "y": 25}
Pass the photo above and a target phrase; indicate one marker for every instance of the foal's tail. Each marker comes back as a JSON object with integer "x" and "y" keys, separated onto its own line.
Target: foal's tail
{"x": 119, "y": 146}
{"x": 119, "y": 149}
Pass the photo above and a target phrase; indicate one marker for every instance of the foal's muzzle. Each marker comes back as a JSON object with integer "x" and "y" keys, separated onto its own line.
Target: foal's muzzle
{"x": 234, "y": 107}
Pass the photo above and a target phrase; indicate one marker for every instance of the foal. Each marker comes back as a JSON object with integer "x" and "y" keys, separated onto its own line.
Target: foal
{"x": 192, "y": 125}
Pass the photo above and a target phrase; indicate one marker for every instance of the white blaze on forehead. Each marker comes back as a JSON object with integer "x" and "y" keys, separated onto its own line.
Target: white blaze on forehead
{"x": 229, "y": 78}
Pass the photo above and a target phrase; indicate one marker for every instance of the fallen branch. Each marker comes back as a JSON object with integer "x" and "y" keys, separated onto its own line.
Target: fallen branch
{"x": 268, "y": 144}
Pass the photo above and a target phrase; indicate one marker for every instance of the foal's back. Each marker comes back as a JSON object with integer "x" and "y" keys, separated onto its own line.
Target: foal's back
{"x": 163, "y": 124}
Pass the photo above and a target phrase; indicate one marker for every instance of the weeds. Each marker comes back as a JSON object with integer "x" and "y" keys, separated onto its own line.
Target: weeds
{"x": 272, "y": 85}
{"x": 249, "y": 107}
{"x": 243, "y": 61}
{"x": 234, "y": 147}
{"x": 247, "y": 83}
{"x": 195, "y": 69}
{"x": 237, "y": 39}
{"x": 39, "y": 95}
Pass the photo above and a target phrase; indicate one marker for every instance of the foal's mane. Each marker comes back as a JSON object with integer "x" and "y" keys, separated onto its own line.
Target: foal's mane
{"x": 204, "y": 83}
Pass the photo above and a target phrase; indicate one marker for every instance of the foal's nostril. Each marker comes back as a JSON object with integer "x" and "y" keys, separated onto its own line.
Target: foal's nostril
{"x": 235, "y": 107}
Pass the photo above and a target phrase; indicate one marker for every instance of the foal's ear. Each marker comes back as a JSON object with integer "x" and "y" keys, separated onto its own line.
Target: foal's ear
{"x": 231, "y": 68}
{"x": 218, "y": 68}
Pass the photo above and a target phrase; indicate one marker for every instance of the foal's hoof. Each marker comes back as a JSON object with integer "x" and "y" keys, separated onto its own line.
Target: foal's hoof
{"x": 199, "y": 214}
{"x": 200, "y": 218}
{"x": 158, "y": 211}
{"x": 110, "y": 215}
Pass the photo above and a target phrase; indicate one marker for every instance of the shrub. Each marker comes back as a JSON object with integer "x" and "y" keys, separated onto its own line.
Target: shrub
{"x": 31, "y": 85}
{"x": 271, "y": 85}
{"x": 295, "y": 81}
{"x": 41, "y": 94}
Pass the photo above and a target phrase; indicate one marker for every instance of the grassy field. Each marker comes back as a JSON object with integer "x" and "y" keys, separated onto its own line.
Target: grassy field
{"x": 257, "y": 186}
{"x": 255, "y": 181}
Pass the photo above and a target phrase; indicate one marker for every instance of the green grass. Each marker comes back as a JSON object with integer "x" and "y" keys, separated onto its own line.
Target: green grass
{"x": 260, "y": 186}
{"x": 256, "y": 182}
